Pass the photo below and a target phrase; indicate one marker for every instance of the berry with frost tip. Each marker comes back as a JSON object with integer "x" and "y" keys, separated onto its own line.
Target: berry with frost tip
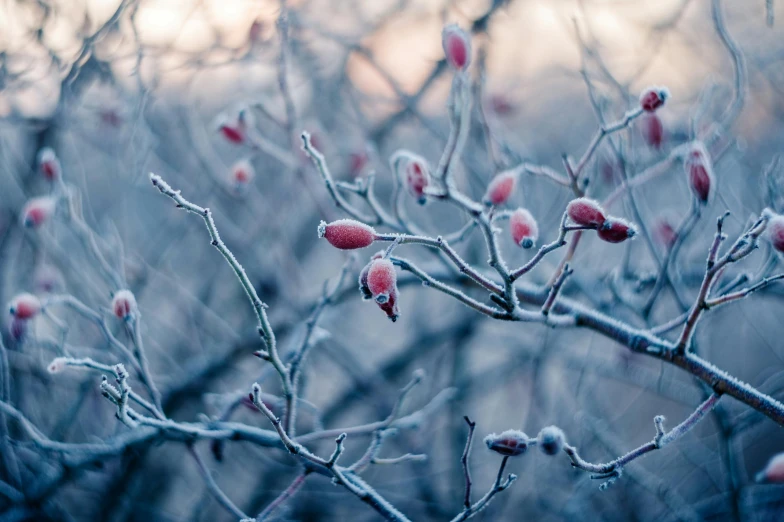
{"x": 774, "y": 471}
{"x": 586, "y": 212}
{"x": 234, "y": 130}
{"x": 381, "y": 279}
{"x": 49, "y": 164}
{"x": 124, "y": 305}
{"x": 523, "y": 227}
{"x": 652, "y": 130}
{"x": 616, "y": 230}
{"x": 457, "y": 47}
{"x": 24, "y": 306}
{"x": 653, "y": 97}
{"x": 363, "y": 275}
{"x": 501, "y": 188}
{"x": 414, "y": 173}
{"x": 699, "y": 173}
{"x": 242, "y": 174}
{"x": 347, "y": 234}
{"x": 37, "y": 211}
{"x": 509, "y": 443}
{"x": 550, "y": 440}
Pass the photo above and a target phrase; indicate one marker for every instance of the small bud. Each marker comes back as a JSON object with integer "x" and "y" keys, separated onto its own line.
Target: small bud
{"x": 24, "y": 306}
{"x": 457, "y": 47}
{"x": 413, "y": 172}
{"x": 775, "y": 232}
{"x": 37, "y": 211}
{"x": 653, "y": 97}
{"x": 234, "y": 129}
{"x": 242, "y": 174}
{"x": 616, "y": 230}
{"x": 500, "y": 105}
{"x": 652, "y": 130}
{"x": 347, "y": 234}
{"x": 699, "y": 172}
{"x": 524, "y": 228}
{"x": 363, "y": 275}
{"x": 510, "y": 443}
{"x": 550, "y": 440}
{"x": 381, "y": 280}
{"x": 124, "y": 305}
{"x": 586, "y": 212}
{"x": 500, "y": 188}
{"x": 49, "y": 164}
{"x": 57, "y": 365}
{"x": 774, "y": 471}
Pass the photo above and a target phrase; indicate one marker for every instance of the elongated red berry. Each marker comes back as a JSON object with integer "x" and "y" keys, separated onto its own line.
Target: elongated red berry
{"x": 653, "y": 97}
{"x": 24, "y": 306}
{"x": 524, "y": 229}
{"x": 586, "y": 212}
{"x": 381, "y": 279}
{"x": 775, "y": 231}
{"x": 457, "y": 47}
{"x": 363, "y": 276}
{"x": 652, "y": 130}
{"x": 699, "y": 172}
{"x": 242, "y": 174}
{"x": 414, "y": 173}
{"x": 347, "y": 234}
{"x": 501, "y": 187}
{"x": 234, "y": 129}
{"x": 37, "y": 211}
{"x": 124, "y": 305}
{"x": 550, "y": 440}
{"x": 774, "y": 471}
{"x": 616, "y": 230}
{"x": 509, "y": 443}
{"x": 49, "y": 164}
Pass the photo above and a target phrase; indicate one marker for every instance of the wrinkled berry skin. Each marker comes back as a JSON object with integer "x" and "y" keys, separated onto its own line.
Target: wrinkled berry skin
{"x": 347, "y": 234}
{"x": 457, "y": 47}
{"x": 550, "y": 440}
{"x": 124, "y": 305}
{"x": 501, "y": 188}
{"x": 509, "y": 443}
{"x": 586, "y": 212}
{"x": 390, "y": 306}
{"x": 616, "y": 230}
{"x": 523, "y": 227}
{"x": 653, "y": 97}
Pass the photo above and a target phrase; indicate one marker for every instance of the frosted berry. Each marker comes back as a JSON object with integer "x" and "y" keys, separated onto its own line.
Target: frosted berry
{"x": 586, "y": 212}
{"x": 24, "y": 306}
{"x": 37, "y": 211}
{"x": 457, "y": 47}
{"x": 699, "y": 173}
{"x": 653, "y": 97}
{"x": 390, "y": 306}
{"x": 616, "y": 230}
{"x": 501, "y": 187}
{"x": 242, "y": 174}
{"x": 347, "y": 234}
{"x": 524, "y": 228}
{"x": 234, "y": 129}
{"x": 652, "y": 130}
{"x": 550, "y": 440}
{"x": 363, "y": 275}
{"x": 124, "y": 305}
{"x": 381, "y": 279}
{"x": 49, "y": 164}
{"x": 510, "y": 443}
{"x": 775, "y": 232}
{"x": 774, "y": 471}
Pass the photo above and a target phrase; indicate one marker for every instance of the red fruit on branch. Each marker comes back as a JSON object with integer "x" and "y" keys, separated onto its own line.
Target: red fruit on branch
{"x": 242, "y": 174}
{"x": 616, "y": 230}
{"x": 37, "y": 211}
{"x": 699, "y": 172}
{"x": 586, "y": 212}
{"x": 363, "y": 277}
{"x": 124, "y": 305}
{"x": 24, "y": 306}
{"x": 381, "y": 279}
{"x": 347, "y": 234}
{"x": 509, "y": 443}
{"x": 49, "y": 164}
{"x": 523, "y": 227}
{"x": 775, "y": 232}
{"x": 653, "y": 97}
{"x": 501, "y": 188}
{"x": 457, "y": 47}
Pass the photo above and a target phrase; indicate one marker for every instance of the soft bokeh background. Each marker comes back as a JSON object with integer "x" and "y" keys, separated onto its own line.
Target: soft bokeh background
{"x": 122, "y": 89}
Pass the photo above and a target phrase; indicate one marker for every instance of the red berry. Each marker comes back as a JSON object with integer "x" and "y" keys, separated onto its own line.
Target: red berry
{"x": 24, "y": 306}
{"x": 501, "y": 187}
{"x": 586, "y": 212}
{"x": 363, "y": 276}
{"x": 381, "y": 279}
{"x": 652, "y": 130}
{"x": 457, "y": 46}
{"x": 37, "y": 211}
{"x": 242, "y": 174}
{"x": 347, "y": 234}
{"x": 616, "y": 230}
{"x": 510, "y": 443}
{"x": 414, "y": 173}
{"x": 774, "y": 471}
{"x": 776, "y": 232}
{"x": 665, "y": 233}
{"x": 124, "y": 304}
{"x": 700, "y": 173}
{"x": 390, "y": 306}
{"x": 653, "y": 97}
{"x": 524, "y": 228}
{"x": 233, "y": 134}
{"x": 49, "y": 164}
